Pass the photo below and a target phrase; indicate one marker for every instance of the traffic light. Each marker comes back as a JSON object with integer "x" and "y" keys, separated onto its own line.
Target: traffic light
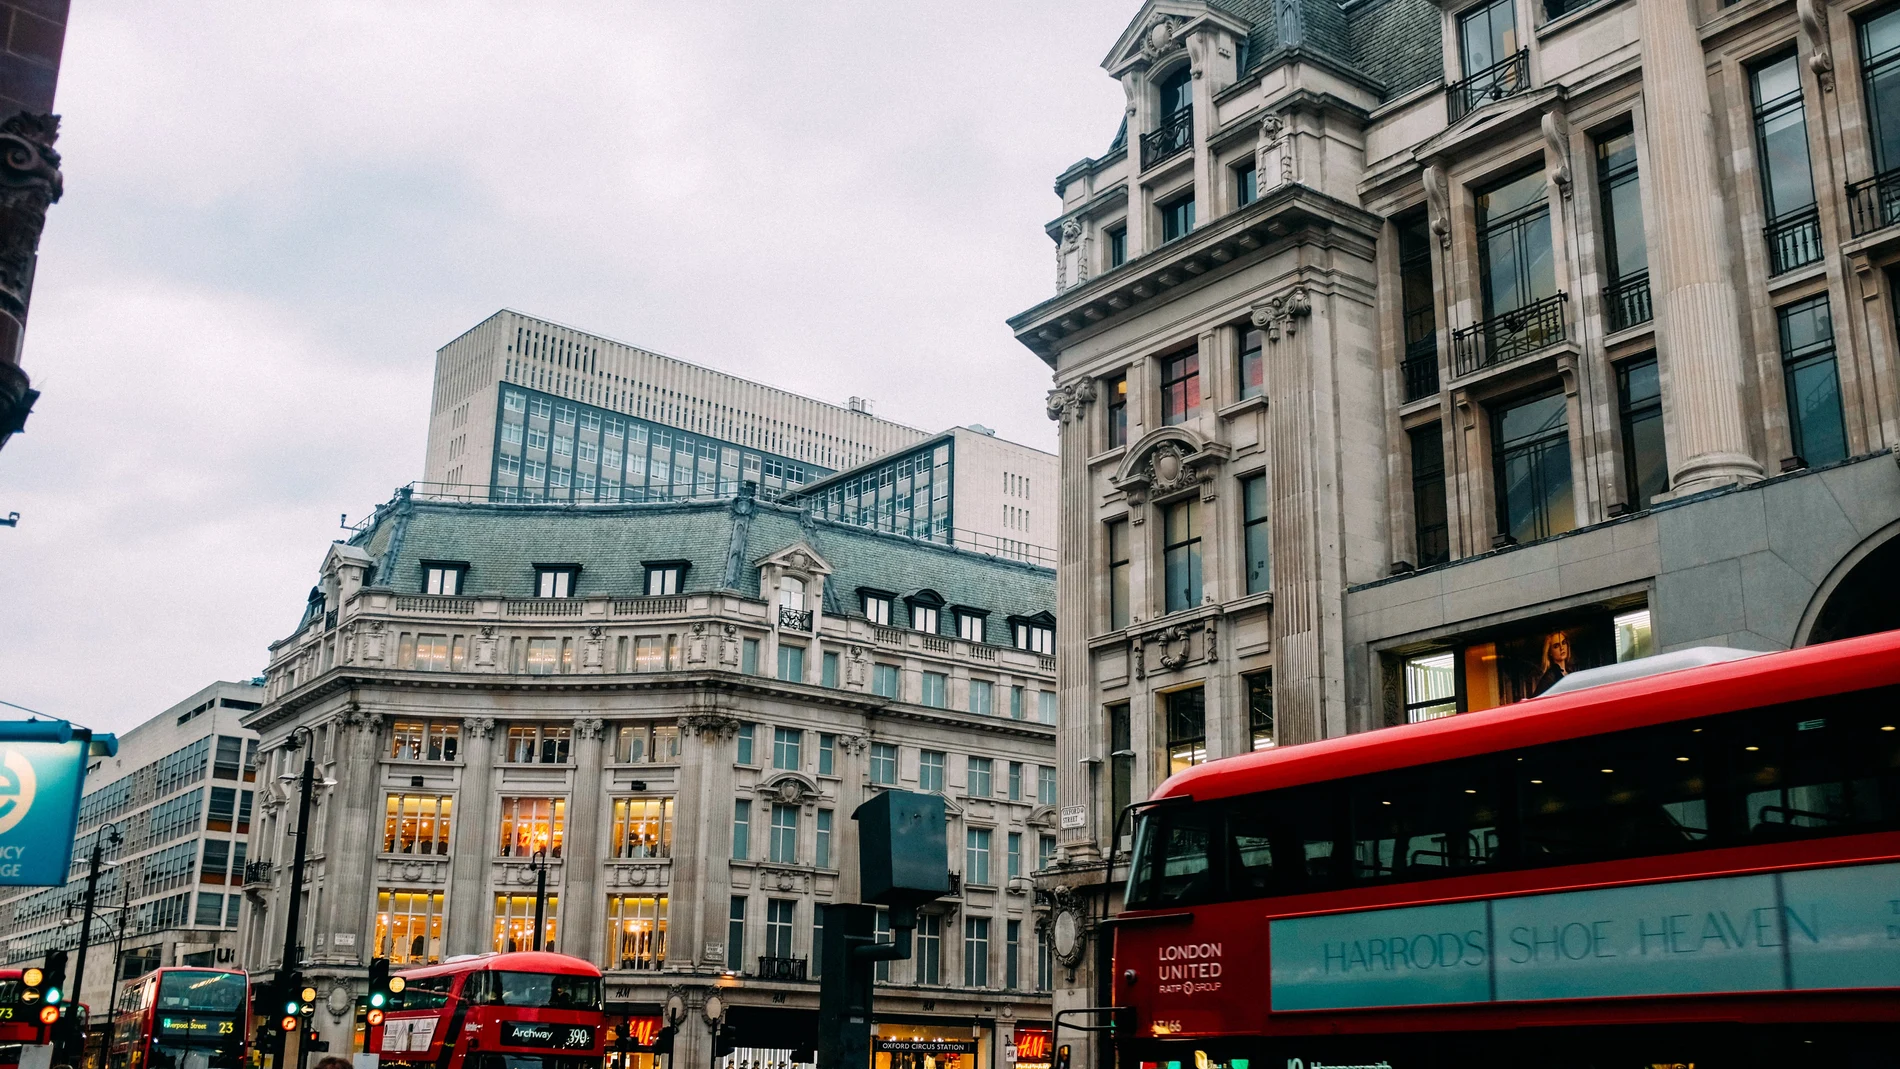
{"x": 663, "y": 1043}
{"x": 54, "y": 988}
{"x": 1062, "y": 1057}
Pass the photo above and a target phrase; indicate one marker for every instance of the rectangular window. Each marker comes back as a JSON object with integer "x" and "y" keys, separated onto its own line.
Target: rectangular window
{"x": 827, "y": 753}
{"x": 431, "y": 653}
{"x": 821, "y": 853}
{"x": 636, "y": 744}
{"x": 747, "y": 733}
{"x": 877, "y": 609}
{"x": 1117, "y": 412}
{"x": 636, "y": 932}
{"x": 976, "y": 952}
{"x": 1246, "y": 182}
{"x": 1036, "y": 638}
{"x": 735, "y": 935}
{"x": 1812, "y": 382}
{"x": 1117, "y": 247}
{"x": 976, "y": 856}
{"x": 1119, "y": 567}
{"x": 1639, "y": 404}
{"x": 529, "y": 825}
{"x": 217, "y": 862}
{"x": 1187, "y": 728}
{"x": 1045, "y": 785}
{"x": 1253, "y": 369}
{"x": 1012, "y": 954}
{"x": 1880, "y": 75}
{"x": 1015, "y": 781}
{"x": 969, "y": 627}
{"x": 749, "y": 656}
{"x": 1016, "y": 711}
{"x": 883, "y": 764}
{"x": 1045, "y": 966}
{"x": 923, "y": 618}
{"x": 417, "y": 823}
{"x": 784, "y": 845}
{"x": 408, "y": 926}
{"x": 1177, "y": 217}
{"x": 829, "y": 670}
{"x": 210, "y": 909}
{"x": 1516, "y": 267}
{"x": 1260, "y": 709}
{"x": 1487, "y": 36}
{"x": 936, "y": 690}
{"x": 554, "y": 582}
{"x": 1530, "y": 443}
{"x": 791, "y": 663}
{"x": 642, "y": 828}
{"x": 982, "y": 697}
{"x": 741, "y": 829}
{"x": 980, "y": 780}
{"x": 779, "y": 914}
{"x": 542, "y": 744}
{"x": 1625, "y": 251}
{"x": 1418, "y": 305}
{"x": 884, "y": 680}
{"x": 1255, "y": 534}
{"x": 882, "y": 934}
{"x": 1045, "y": 851}
{"x": 1787, "y": 175}
{"x": 1180, "y": 387}
{"x": 1045, "y": 707}
{"x": 1431, "y": 524}
{"x": 1121, "y": 759}
{"x": 930, "y": 948}
{"x": 1013, "y": 857}
{"x": 663, "y": 579}
{"x": 930, "y": 771}
{"x": 1431, "y": 686}
{"x": 1181, "y": 554}
{"x": 222, "y": 811}
{"x": 444, "y": 579}
{"x": 228, "y": 761}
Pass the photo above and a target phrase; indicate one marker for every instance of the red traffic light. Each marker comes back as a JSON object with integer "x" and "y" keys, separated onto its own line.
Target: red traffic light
{"x": 289, "y": 1024}
{"x": 49, "y": 1014}
{"x": 375, "y": 1017}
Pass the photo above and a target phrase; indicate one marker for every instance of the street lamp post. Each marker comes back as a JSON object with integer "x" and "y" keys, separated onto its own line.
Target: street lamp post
{"x": 293, "y": 912}
{"x": 111, "y": 830}
{"x": 540, "y": 893}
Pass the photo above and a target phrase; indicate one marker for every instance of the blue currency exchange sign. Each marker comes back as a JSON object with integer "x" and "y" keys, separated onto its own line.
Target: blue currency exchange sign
{"x": 41, "y": 775}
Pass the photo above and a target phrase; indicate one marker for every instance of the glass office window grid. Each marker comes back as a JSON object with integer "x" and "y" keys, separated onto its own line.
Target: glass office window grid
{"x": 906, "y": 495}
{"x": 556, "y": 450}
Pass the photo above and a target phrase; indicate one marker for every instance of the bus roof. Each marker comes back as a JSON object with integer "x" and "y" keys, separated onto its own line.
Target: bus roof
{"x": 535, "y": 961}
{"x": 1770, "y": 679}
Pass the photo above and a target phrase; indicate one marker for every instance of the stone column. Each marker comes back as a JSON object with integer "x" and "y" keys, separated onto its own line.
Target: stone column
{"x": 700, "y": 882}
{"x": 1078, "y": 731}
{"x": 583, "y": 908}
{"x": 469, "y": 916}
{"x": 355, "y": 828}
{"x": 1697, "y": 311}
{"x": 1294, "y": 504}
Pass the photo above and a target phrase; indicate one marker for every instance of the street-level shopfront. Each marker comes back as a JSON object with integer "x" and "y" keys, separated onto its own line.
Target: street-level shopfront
{"x": 926, "y": 1043}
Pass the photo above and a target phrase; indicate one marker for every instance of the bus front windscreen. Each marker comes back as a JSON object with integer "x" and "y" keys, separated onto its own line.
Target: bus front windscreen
{"x": 547, "y": 991}
{"x": 201, "y": 992}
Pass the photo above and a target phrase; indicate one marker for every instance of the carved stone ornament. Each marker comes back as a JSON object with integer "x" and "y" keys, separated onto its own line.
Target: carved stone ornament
{"x": 1168, "y": 470}
{"x": 1160, "y": 37}
{"x": 1814, "y": 42}
{"x": 790, "y": 790}
{"x": 479, "y": 727}
{"x": 718, "y": 724}
{"x": 1557, "y": 144}
{"x": 855, "y": 744}
{"x": 590, "y": 727}
{"x": 1179, "y": 461}
{"x": 1067, "y": 404}
{"x": 1283, "y": 313}
{"x": 1437, "y": 204}
{"x": 1197, "y": 55}
{"x": 1264, "y": 141}
{"x": 30, "y": 182}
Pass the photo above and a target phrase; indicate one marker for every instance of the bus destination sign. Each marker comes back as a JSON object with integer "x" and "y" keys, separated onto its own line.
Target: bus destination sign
{"x": 1812, "y": 929}
{"x": 171, "y": 1024}
{"x": 546, "y": 1034}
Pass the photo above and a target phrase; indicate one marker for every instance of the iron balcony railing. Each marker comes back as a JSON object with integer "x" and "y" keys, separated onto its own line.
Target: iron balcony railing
{"x": 256, "y": 872}
{"x": 1626, "y": 302}
{"x": 1500, "y": 80}
{"x": 1174, "y": 136}
{"x": 790, "y": 619}
{"x": 1420, "y": 368}
{"x": 1794, "y": 240}
{"x": 1509, "y": 335}
{"x": 1874, "y": 203}
{"x": 771, "y": 968}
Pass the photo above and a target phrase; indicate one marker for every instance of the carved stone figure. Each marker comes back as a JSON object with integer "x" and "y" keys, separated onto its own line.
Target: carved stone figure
{"x": 30, "y": 182}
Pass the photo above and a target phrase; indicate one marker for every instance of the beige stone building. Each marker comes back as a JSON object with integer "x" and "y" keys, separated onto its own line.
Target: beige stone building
{"x": 1409, "y": 356}
{"x": 678, "y": 705}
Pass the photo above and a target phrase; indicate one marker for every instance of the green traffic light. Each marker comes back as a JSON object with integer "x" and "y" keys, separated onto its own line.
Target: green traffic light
{"x": 291, "y": 1007}
{"x": 376, "y": 1000}
{"x": 52, "y": 996}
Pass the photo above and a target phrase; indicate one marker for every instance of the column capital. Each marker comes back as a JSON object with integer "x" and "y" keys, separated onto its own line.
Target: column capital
{"x": 1282, "y": 312}
{"x": 1068, "y": 404}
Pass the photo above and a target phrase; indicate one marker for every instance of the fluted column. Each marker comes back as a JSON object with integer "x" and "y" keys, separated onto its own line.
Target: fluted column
{"x": 1078, "y": 731}
{"x": 582, "y": 906}
{"x": 1697, "y": 311}
{"x": 1298, "y": 674}
{"x": 468, "y": 905}
{"x": 355, "y": 828}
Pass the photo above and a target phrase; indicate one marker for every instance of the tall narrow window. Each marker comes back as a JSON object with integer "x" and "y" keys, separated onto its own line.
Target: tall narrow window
{"x": 976, "y": 952}
{"x": 1177, "y": 216}
{"x": 1181, "y": 555}
{"x": 1121, "y": 760}
{"x": 735, "y": 935}
{"x": 1625, "y": 253}
{"x": 779, "y": 915}
{"x": 821, "y": 851}
{"x": 976, "y": 856}
{"x": 1253, "y": 369}
{"x": 1177, "y": 92}
{"x": 1012, "y": 954}
{"x": 1180, "y": 387}
{"x": 741, "y": 829}
{"x": 1787, "y": 175}
{"x": 1812, "y": 382}
{"x": 1260, "y": 709}
{"x": 1639, "y": 403}
{"x": 1117, "y": 391}
{"x": 1118, "y": 570}
{"x": 1253, "y": 496}
{"x": 1117, "y": 246}
{"x": 784, "y": 844}
{"x": 930, "y": 948}
{"x": 1187, "y": 728}
{"x": 1516, "y": 272}
{"x": 1431, "y": 526}
{"x": 980, "y": 778}
{"x": 883, "y": 764}
{"x": 1246, "y": 181}
{"x": 1418, "y": 306}
{"x": 930, "y": 765}
{"x": 786, "y": 746}
{"x": 1488, "y": 51}
{"x": 1876, "y": 202}
{"x": 1530, "y": 443}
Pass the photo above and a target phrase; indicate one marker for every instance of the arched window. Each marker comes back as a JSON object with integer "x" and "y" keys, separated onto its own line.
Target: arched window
{"x": 791, "y": 592}
{"x": 1177, "y": 93}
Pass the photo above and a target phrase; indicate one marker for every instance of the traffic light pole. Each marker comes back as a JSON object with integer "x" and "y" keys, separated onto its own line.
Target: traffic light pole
{"x": 288, "y": 963}
{"x": 85, "y": 935}
{"x": 540, "y": 895}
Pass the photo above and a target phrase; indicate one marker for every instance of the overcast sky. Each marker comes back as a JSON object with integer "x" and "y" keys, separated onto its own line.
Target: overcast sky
{"x": 275, "y": 213}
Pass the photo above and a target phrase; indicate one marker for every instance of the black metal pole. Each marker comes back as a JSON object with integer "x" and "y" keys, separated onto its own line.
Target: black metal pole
{"x": 118, "y": 945}
{"x": 287, "y": 964}
{"x": 70, "y": 1021}
{"x": 540, "y": 895}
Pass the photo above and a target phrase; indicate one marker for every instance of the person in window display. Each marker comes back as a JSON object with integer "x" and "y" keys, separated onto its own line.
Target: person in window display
{"x": 1556, "y": 662}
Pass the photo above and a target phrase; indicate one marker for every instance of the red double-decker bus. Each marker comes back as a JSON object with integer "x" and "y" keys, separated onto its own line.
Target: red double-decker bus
{"x": 525, "y": 1010}
{"x": 1692, "y": 867}
{"x": 174, "y": 1018}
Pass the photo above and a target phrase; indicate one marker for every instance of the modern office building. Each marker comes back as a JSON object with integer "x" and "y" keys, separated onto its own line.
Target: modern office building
{"x": 528, "y": 410}
{"x": 965, "y": 487}
{"x": 1410, "y": 356}
{"x": 173, "y": 810}
{"x": 675, "y": 706}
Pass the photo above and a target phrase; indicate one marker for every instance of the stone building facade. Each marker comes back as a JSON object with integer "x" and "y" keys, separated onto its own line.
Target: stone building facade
{"x": 32, "y": 39}
{"x": 681, "y": 704}
{"x": 1410, "y": 355}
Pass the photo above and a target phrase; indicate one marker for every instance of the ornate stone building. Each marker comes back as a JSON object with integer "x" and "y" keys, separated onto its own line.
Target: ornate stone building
{"x": 32, "y": 36}
{"x": 675, "y": 707}
{"x": 1409, "y": 356}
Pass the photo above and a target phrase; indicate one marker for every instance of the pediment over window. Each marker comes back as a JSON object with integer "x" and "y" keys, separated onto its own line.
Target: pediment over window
{"x": 1161, "y": 31}
{"x": 1169, "y": 462}
{"x": 790, "y": 788}
{"x": 799, "y": 557}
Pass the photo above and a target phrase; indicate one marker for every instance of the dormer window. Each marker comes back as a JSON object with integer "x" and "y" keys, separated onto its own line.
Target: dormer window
{"x": 969, "y": 625}
{"x": 1036, "y": 634}
{"x": 925, "y": 606}
{"x": 443, "y": 577}
{"x": 791, "y": 592}
{"x": 665, "y": 577}
{"x": 1177, "y": 92}
{"x": 555, "y": 580}
{"x": 877, "y": 606}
